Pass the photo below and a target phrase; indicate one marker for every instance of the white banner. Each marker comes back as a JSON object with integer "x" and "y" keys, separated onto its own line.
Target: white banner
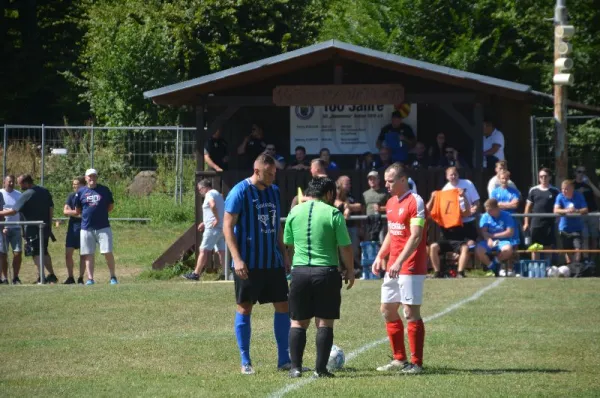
{"x": 343, "y": 129}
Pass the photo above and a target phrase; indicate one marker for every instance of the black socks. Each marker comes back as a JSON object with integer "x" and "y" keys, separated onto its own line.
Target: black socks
{"x": 297, "y": 344}
{"x": 324, "y": 343}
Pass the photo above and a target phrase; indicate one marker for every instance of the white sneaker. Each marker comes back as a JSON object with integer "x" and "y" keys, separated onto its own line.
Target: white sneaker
{"x": 395, "y": 365}
{"x": 247, "y": 369}
{"x": 412, "y": 369}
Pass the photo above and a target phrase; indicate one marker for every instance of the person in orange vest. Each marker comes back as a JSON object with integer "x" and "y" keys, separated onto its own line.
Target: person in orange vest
{"x": 447, "y": 209}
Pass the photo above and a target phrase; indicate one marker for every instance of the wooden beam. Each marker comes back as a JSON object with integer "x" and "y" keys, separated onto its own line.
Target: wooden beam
{"x": 440, "y": 98}
{"x": 338, "y": 94}
{"x": 222, "y": 118}
{"x": 239, "y": 100}
{"x": 478, "y": 130}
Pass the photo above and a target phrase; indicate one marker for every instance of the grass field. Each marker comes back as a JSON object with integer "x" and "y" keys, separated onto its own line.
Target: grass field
{"x": 520, "y": 338}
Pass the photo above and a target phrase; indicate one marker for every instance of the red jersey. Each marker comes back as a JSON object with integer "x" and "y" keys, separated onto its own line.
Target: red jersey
{"x": 402, "y": 212}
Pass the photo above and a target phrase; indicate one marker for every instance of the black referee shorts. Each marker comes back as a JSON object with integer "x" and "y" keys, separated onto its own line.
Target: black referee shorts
{"x": 315, "y": 292}
{"x": 543, "y": 235}
{"x": 262, "y": 285}
{"x": 451, "y": 246}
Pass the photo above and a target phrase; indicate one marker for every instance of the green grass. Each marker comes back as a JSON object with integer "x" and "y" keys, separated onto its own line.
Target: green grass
{"x": 522, "y": 338}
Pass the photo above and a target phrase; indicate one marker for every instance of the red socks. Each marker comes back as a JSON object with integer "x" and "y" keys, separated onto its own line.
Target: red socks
{"x": 395, "y": 331}
{"x": 416, "y": 340}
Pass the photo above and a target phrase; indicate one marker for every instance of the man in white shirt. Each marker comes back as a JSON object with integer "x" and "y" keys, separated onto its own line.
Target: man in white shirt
{"x": 493, "y": 144}
{"x": 470, "y": 199}
{"x": 501, "y": 167}
{"x": 12, "y": 233}
{"x": 213, "y": 211}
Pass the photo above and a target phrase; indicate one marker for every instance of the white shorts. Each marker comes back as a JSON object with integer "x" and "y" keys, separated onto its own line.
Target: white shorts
{"x": 406, "y": 289}
{"x": 88, "y": 240}
{"x": 213, "y": 239}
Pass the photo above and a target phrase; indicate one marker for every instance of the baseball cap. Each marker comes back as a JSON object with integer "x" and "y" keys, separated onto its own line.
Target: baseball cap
{"x": 90, "y": 172}
{"x": 373, "y": 173}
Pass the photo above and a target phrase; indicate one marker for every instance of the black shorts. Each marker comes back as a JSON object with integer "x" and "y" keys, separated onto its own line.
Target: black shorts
{"x": 451, "y": 246}
{"x": 262, "y": 285}
{"x": 571, "y": 241}
{"x": 73, "y": 238}
{"x": 543, "y": 235}
{"x": 466, "y": 232}
{"x": 315, "y": 292}
{"x": 32, "y": 240}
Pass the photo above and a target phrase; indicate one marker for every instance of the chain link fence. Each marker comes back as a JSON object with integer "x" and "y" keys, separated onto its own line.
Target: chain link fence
{"x": 54, "y": 155}
{"x": 583, "y": 133}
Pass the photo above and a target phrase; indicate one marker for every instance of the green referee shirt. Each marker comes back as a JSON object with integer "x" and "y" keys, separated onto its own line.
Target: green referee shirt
{"x": 316, "y": 229}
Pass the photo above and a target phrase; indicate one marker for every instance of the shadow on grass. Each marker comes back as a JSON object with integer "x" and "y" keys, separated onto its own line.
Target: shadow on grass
{"x": 355, "y": 372}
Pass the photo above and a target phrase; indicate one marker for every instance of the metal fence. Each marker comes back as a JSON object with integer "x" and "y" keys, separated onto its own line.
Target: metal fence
{"x": 583, "y": 146}
{"x": 53, "y": 155}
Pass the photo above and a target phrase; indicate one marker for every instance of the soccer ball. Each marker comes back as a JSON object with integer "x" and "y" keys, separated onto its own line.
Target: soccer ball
{"x": 553, "y": 271}
{"x": 564, "y": 271}
{"x": 337, "y": 359}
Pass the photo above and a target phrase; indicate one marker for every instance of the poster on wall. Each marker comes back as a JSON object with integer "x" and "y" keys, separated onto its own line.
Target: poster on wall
{"x": 343, "y": 129}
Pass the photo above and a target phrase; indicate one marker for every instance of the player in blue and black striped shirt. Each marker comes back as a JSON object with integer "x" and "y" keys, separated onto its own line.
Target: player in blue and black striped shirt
{"x": 255, "y": 239}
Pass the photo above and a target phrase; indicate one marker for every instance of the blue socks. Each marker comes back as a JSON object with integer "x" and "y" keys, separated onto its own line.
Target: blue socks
{"x": 493, "y": 266}
{"x": 242, "y": 335}
{"x": 281, "y": 327}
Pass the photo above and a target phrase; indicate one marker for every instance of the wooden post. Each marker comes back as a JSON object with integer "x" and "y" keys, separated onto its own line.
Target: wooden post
{"x": 561, "y": 155}
{"x": 200, "y": 138}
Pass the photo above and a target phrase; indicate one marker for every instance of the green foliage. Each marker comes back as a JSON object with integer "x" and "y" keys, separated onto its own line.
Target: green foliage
{"x": 179, "y": 268}
{"x": 140, "y": 45}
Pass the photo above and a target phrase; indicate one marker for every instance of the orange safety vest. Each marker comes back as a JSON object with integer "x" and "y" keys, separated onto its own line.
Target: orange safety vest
{"x": 446, "y": 209}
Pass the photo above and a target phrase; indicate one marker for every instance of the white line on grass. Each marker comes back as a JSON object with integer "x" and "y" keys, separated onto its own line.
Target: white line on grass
{"x": 301, "y": 383}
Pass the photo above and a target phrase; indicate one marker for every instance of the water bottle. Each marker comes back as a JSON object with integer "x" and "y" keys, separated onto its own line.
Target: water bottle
{"x": 366, "y": 272}
{"x": 542, "y": 269}
{"x": 523, "y": 269}
{"x": 531, "y": 270}
{"x": 538, "y": 270}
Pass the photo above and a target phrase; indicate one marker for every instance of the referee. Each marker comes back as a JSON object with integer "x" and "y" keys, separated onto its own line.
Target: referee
{"x": 315, "y": 230}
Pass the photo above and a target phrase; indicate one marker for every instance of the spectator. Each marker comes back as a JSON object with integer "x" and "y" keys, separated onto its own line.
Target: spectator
{"x": 570, "y": 201}
{"x": 94, "y": 202}
{"x": 418, "y": 158}
{"x": 12, "y": 233}
{"x": 541, "y": 199}
{"x": 497, "y": 228}
{"x": 365, "y": 162}
{"x": 452, "y": 158}
{"x": 493, "y": 144}
{"x": 35, "y": 204}
{"x": 73, "y": 239}
{"x": 590, "y": 192}
{"x": 375, "y": 199}
{"x": 325, "y": 156}
{"x": 438, "y": 151}
{"x": 252, "y": 146}
{"x": 318, "y": 168}
{"x": 3, "y": 252}
{"x": 213, "y": 210}
{"x": 494, "y": 182}
{"x": 469, "y": 200}
{"x": 300, "y": 162}
{"x": 346, "y": 203}
{"x": 385, "y": 159}
{"x": 508, "y": 197}
{"x": 279, "y": 160}
{"x": 215, "y": 152}
{"x": 455, "y": 240}
{"x": 397, "y": 137}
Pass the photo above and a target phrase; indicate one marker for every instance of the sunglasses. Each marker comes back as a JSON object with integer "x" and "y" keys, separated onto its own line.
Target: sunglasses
{"x": 580, "y": 171}
{"x": 449, "y": 152}
{"x": 270, "y": 149}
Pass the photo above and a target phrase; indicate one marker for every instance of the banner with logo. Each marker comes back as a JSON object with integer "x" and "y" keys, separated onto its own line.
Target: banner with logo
{"x": 343, "y": 129}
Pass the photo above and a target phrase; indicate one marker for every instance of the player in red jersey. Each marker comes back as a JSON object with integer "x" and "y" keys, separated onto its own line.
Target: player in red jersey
{"x": 406, "y": 246}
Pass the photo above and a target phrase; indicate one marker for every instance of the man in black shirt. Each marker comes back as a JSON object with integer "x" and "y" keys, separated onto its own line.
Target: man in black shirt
{"x": 418, "y": 158}
{"x": 215, "y": 152}
{"x": 300, "y": 162}
{"x": 541, "y": 199}
{"x": 252, "y": 146}
{"x": 590, "y": 192}
{"x": 35, "y": 204}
